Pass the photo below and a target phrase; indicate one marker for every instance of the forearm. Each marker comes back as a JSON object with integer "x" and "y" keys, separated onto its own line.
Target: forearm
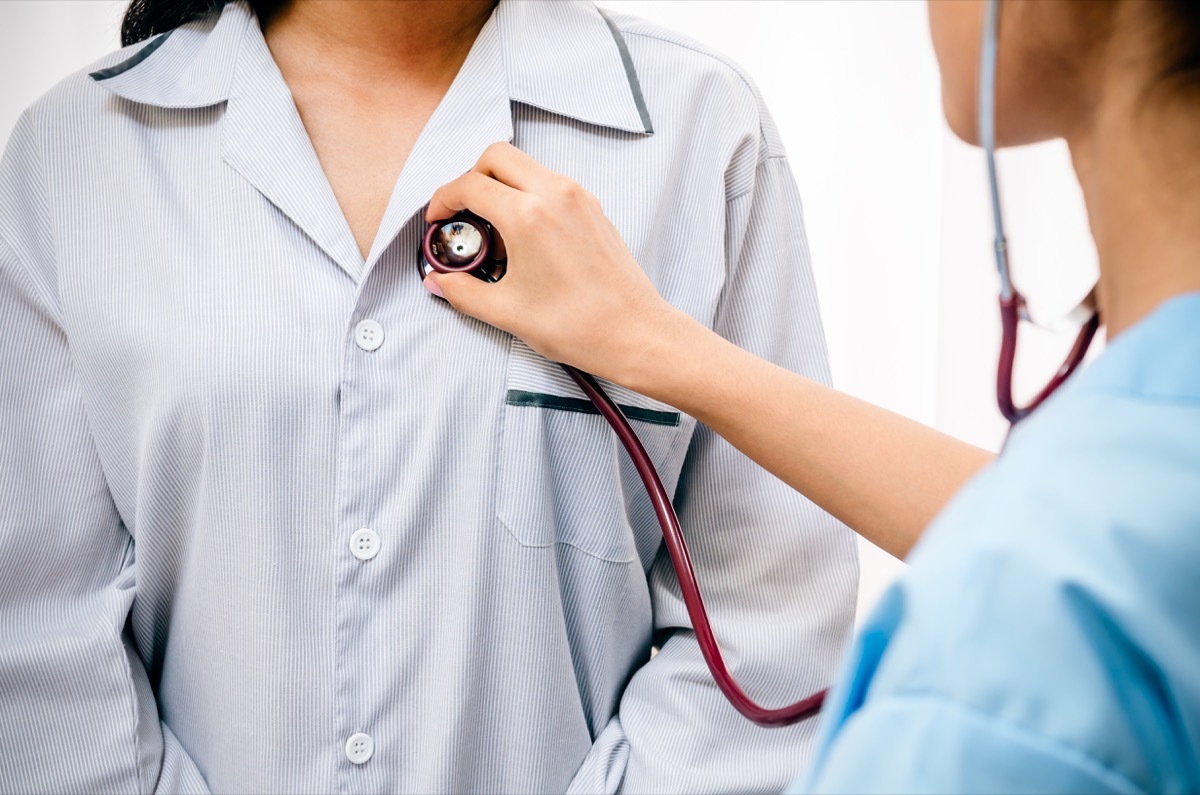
{"x": 883, "y": 475}
{"x": 570, "y": 274}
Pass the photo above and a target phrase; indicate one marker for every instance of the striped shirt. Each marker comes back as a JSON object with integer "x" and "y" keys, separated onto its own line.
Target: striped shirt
{"x": 276, "y": 520}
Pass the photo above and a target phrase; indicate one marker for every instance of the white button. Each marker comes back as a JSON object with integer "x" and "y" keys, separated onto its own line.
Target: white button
{"x": 364, "y": 543}
{"x": 359, "y": 748}
{"x": 368, "y": 334}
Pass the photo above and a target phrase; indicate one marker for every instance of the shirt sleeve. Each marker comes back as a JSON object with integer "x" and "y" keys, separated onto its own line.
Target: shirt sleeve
{"x": 779, "y": 576}
{"x": 78, "y": 712}
{"x": 946, "y": 747}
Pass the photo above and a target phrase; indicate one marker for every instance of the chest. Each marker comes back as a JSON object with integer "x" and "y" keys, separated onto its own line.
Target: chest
{"x": 242, "y": 295}
{"x": 362, "y": 140}
{"x": 229, "y": 338}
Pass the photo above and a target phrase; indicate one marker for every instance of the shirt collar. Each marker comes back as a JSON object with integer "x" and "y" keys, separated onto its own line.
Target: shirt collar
{"x": 564, "y": 57}
{"x": 571, "y": 59}
{"x": 191, "y": 66}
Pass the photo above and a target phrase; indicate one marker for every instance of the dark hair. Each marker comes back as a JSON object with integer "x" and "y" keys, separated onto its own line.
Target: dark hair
{"x": 146, "y": 18}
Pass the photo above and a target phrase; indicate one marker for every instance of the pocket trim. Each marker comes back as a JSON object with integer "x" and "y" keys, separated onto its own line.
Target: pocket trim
{"x": 519, "y": 397}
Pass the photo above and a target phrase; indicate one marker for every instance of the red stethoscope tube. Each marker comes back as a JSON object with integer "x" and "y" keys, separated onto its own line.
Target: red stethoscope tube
{"x": 682, "y": 561}
{"x": 663, "y": 509}
{"x": 1010, "y": 319}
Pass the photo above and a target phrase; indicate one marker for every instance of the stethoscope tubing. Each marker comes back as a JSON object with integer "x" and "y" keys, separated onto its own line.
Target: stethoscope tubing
{"x": 1010, "y": 321}
{"x": 684, "y": 571}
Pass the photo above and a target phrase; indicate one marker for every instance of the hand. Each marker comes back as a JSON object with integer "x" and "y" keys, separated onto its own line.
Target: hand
{"x": 572, "y": 291}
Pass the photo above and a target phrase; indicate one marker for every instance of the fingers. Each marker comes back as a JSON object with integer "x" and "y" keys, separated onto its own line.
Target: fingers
{"x": 508, "y": 164}
{"x": 506, "y": 183}
{"x": 468, "y": 295}
{"x": 476, "y": 192}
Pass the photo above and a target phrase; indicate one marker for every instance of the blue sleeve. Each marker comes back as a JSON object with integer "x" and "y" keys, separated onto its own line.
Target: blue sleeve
{"x": 1026, "y": 649}
{"x": 930, "y": 744}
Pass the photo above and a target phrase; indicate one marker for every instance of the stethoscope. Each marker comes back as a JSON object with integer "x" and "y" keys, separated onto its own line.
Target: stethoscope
{"x": 1013, "y": 308}
{"x": 464, "y": 244}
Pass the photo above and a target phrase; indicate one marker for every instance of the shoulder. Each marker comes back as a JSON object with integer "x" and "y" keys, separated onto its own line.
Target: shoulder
{"x": 187, "y": 67}
{"x": 1110, "y": 463}
{"x": 699, "y": 61}
{"x": 678, "y": 65}
{"x": 1094, "y": 500}
{"x": 1059, "y": 587}
{"x": 1048, "y": 621}
{"x": 53, "y": 142}
{"x": 64, "y": 126}
{"x": 79, "y": 95}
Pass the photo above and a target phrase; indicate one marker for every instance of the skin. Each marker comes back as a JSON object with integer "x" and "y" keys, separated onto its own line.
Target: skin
{"x": 366, "y": 75}
{"x": 1086, "y": 72}
{"x": 1091, "y": 73}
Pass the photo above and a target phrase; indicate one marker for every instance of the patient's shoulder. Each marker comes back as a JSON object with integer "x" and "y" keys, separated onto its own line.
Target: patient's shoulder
{"x": 676, "y": 68}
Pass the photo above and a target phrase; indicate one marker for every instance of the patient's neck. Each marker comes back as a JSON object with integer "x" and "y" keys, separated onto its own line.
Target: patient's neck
{"x": 380, "y": 41}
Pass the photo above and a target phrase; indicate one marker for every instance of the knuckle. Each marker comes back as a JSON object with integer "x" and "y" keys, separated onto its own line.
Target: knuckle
{"x": 478, "y": 185}
{"x": 495, "y": 150}
{"x": 536, "y": 211}
{"x": 571, "y": 192}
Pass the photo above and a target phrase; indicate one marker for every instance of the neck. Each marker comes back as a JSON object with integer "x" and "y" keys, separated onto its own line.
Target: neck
{"x": 379, "y": 41}
{"x": 1136, "y": 161}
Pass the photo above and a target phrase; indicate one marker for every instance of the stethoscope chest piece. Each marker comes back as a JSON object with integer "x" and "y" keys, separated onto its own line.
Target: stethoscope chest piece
{"x": 462, "y": 244}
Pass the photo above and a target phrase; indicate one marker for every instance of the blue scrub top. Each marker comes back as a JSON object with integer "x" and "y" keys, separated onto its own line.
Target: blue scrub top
{"x": 1047, "y": 635}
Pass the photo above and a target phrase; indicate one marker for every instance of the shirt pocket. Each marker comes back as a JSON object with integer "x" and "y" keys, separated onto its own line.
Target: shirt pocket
{"x": 565, "y": 478}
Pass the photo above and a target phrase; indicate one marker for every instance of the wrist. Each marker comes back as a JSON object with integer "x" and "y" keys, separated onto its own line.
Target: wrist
{"x": 662, "y": 357}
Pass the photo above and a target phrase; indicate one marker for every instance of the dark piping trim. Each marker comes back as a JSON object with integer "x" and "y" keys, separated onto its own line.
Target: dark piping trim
{"x": 630, "y": 73}
{"x": 517, "y": 397}
{"x": 133, "y": 60}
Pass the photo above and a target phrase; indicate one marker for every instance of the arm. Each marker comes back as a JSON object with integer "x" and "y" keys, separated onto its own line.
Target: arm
{"x": 882, "y": 474}
{"x": 78, "y": 713}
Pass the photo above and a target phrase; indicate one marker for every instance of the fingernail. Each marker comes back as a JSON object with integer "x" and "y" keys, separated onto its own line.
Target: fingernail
{"x": 432, "y": 286}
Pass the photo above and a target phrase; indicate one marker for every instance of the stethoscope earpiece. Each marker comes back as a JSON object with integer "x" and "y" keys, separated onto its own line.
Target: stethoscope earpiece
{"x": 462, "y": 244}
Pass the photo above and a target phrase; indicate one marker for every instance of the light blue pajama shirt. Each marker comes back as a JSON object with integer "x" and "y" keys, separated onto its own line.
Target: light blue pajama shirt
{"x": 274, "y": 519}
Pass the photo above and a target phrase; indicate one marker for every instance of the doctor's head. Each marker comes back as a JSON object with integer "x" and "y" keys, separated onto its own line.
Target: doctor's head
{"x": 1062, "y": 63}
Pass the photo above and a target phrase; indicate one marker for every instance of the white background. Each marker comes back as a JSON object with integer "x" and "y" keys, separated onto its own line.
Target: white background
{"x": 896, "y": 208}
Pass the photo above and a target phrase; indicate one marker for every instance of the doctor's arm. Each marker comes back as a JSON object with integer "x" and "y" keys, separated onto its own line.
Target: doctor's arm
{"x": 575, "y": 294}
{"x": 78, "y": 713}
